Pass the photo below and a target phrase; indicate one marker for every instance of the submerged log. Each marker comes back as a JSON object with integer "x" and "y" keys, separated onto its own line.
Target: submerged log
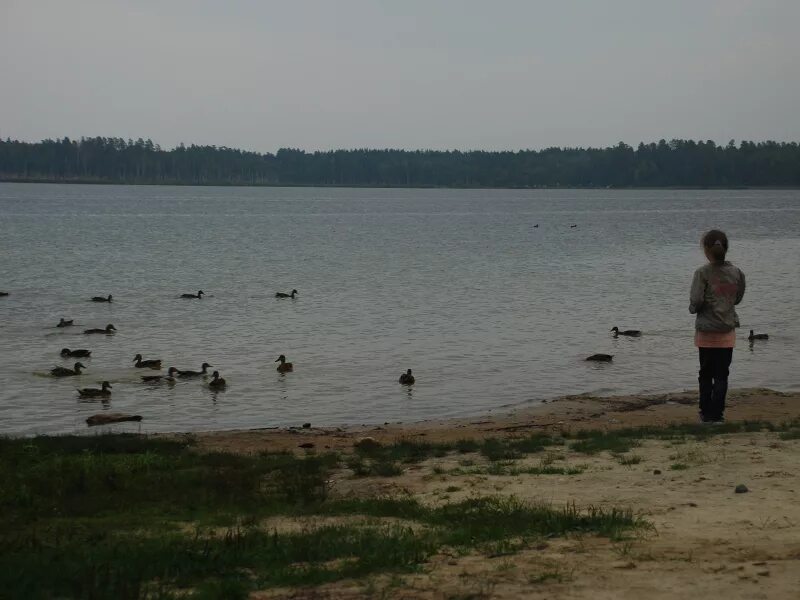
{"x": 107, "y": 418}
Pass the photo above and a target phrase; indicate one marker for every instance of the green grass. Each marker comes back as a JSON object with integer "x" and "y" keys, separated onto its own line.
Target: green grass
{"x": 629, "y": 459}
{"x": 498, "y": 468}
{"x": 593, "y": 442}
{"x": 792, "y": 434}
{"x": 511, "y": 448}
{"x": 679, "y": 466}
{"x": 121, "y": 516}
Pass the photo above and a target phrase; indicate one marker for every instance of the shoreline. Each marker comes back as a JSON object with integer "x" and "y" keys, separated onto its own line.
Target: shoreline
{"x": 567, "y": 413}
{"x": 393, "y": 187}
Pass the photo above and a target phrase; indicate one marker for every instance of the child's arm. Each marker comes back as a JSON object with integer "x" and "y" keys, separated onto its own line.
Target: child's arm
{"x": 740, "y": 291}
{"x": 697, "y": 293}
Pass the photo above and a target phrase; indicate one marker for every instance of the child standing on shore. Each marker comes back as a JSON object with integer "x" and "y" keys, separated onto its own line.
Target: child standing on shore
{"x": 717, "y": 288}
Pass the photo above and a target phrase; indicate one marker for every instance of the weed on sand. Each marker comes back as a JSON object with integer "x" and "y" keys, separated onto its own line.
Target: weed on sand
{"x": 130, "y": 517}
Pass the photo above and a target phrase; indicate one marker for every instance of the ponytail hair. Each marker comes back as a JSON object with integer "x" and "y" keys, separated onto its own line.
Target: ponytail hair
{"x": 715, "y": 242}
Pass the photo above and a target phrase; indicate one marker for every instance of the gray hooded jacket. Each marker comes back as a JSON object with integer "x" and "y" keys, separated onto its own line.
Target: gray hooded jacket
{"x": 716, "y": 289}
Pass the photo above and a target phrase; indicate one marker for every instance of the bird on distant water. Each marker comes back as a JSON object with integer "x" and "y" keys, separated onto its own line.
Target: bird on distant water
{"x": 109, "y": 330}
{"x": 146, "y": 364}
{"x": 3, "y": 294}
{"x": 203, "y": 371}
{"x": 65, "y": 323}
{"x": 284, "y": 367}
{"x": 101, "y": 298}
{"x": 65, "y": 372}
{"x": 78, "y": 353}
{"x": 282, "y": 295}
{"x": 572, "y": 226}
{"x": 217, "y": 382}
{"x": 757, "y": 336}
{"x": 600, "y": 357}
{"x": 102, "y": 392}
{"x": 407, "y": 378}
{"x": 169, "y": 377}
{"x": 628, "y": 332}
{"x": 197, "y": 296}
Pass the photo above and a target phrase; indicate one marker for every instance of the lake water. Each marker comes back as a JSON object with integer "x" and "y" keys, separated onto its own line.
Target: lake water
{"x": 488, "y": 310}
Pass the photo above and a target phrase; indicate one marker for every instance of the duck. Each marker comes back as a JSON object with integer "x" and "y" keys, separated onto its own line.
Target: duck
{"x": 601, "y": 357}
{"x": 101, "y": 298}
{"x": 146, "y": 364}
{"x": 284, "y": 367}
{"x": 573, "y": 226}
{"x": 757, "y": 336}
{"x": 217, "y": 382}
{"x": 407, "y": 378}
{"x": 169, "y": 377}
{"x": 203, "y": 371}
{"x": 628, "y": 332}
{"x": 282, "y": 295}
{"x": 110, "y": 329}
{"x": 65, "y": 323}
{"x": 102, "y": 392}
{"x": 2, "y": 294}
{"x": 65, "y": 372}
{"x": 197, "y": 296}
{"x": 536, "y": 226}
{"x": 79, "y": 353}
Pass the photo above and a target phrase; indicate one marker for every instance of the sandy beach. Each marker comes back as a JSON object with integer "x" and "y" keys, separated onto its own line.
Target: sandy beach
{"x": 703, "y": 538}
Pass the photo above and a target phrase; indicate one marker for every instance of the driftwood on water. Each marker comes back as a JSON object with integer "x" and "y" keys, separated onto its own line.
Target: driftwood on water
{"x": 107, "y": 418}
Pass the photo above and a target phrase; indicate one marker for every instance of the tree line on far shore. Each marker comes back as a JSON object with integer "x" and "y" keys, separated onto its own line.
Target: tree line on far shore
{"x": 678, "y": 163}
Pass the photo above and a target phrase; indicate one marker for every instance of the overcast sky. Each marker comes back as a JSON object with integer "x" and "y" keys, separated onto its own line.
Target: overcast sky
{"x": 499, "y": 74}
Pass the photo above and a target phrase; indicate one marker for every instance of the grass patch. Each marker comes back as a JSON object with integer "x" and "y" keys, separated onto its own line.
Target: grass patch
{"x": 365, "y": 467}
{"x": 128, "y": 517}
{"x": 629, "y": 459}
{"x": 512, "y": 470}
{"x": 792, "y": 434}
{"x": 679, "y": 466}
{"x": 511, "y": 448}
{"x": 593, "y": 442}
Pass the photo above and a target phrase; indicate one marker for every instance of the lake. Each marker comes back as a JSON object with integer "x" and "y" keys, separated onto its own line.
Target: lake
{"x": 488, "y": 310}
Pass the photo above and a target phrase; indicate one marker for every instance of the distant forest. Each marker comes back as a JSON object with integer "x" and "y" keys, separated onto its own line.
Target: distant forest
{"x": 678, "y": 163}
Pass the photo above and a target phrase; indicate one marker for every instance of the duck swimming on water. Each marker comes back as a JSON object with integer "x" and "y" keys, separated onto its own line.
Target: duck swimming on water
{"x": 407, "y": 378}
{"x": 203, "y": 371}
{"x": 197, "y": 296}
{"x": 282, "y": 295}
{"x": 101, "y": 298}
{"x": 102, "y": 392}
{"x": 65, "y": 372}
{"x": 146, "y": 364}
{"x": 601, "y": 357}
{"x": 65, "y": 323}
{"x": 110, "y": 329}
{"x": 79, "y": 353}
{"x": 284, "y": 367}
{"x": 3, "y": 294}
{"x": 217, "y": 382}
{"x": 757, "y": 336}
{"x": 169, "y": 377}
{"x": 628, "y": 332}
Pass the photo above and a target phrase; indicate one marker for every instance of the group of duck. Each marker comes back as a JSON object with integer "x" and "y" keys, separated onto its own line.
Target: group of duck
{"x": 173, "y": 374}
{"x": 636, "y": 333}
{"x": 217, "y": 382}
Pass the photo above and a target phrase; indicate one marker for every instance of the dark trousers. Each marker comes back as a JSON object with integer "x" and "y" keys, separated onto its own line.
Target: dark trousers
{"x": 714, "y": 367}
